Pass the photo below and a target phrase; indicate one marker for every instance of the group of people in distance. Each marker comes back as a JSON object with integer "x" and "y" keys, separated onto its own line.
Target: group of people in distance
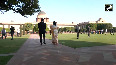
{"x": 89, "y": 31}
{"x": 11, "y": 32}
{"x": 78, "y": 31}
{"x": 42, "y": 31}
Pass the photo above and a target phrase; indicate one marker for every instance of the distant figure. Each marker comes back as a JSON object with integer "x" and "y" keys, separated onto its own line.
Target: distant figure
{"x": 78, "y": 31}
{"x": 54, "y": 30}
{"x": 18, "y": 32}
{"x": 96, "y": 31}
{"x": 112, "y": 31}
{"x": 42, "y": 30}
{"x": 89, "y": 31}
{"x": 102, "y": 31}
{"x": 105, "y": 31}
{"x": 3, "y": 33}
{"x": 12, "y": 32}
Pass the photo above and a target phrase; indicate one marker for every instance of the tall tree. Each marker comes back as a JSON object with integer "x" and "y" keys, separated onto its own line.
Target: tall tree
{"x": 28, "y": 26}
{"x": 36, "y": 28}
{"x": 93, "y": 26}
{"x": 24, "y": 7}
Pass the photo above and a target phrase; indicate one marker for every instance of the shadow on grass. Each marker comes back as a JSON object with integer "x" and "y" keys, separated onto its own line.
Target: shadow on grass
{"x": 78, "y": 44}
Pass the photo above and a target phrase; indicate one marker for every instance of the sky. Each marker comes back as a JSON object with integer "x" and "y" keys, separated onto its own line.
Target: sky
{"x": 68, "y": 11}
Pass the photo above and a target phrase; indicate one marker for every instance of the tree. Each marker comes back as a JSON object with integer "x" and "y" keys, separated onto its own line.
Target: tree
{"x": 36, "y": 28}
{"x": 60, "y": 30}
{"x": 67, "y": 29}
{"x": 99, "y": 26}
{"x": 114, "y": 29}
{"x": 28, "y": 26}
{"x": 7, "y": 29}
{"x": 72, "y": 29}
{"x": 104, "y": 26}
{"x": 1, "y": 29}
{"x": 24, "y": 7}
{"x": 47, "y": 29}
{"x": 93, "y": 26}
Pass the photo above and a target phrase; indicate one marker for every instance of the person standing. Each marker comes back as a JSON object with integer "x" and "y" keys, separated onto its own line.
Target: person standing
{"x": 54, "y": 31}
{"x": 112, "y": 31}
{"x": 42, "y": 30}
{"x": 105, "y": 31}
{"x": 78, "y": 31}
{"x": 3, "y": 33}
{"x": 89, "y": 31}
{"x": 12, "y": 32}
{"x": 102, "y": 31}
{"x": 18, "y": 32}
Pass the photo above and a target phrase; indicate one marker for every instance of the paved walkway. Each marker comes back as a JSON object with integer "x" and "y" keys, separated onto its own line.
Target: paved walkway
{"x": 32, "y": 53}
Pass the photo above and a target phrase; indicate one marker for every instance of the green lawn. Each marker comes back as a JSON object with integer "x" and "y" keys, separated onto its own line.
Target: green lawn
{"x": 85, "y": 41}
{"x": 10, "y": 46}
{"x": 4, "y": 59}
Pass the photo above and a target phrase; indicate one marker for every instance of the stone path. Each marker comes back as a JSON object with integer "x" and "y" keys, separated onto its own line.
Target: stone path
{"x": 32, "y": 53}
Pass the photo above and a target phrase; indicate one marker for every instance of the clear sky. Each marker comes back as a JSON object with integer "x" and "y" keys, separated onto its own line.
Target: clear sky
{"x": 68, "y": 11}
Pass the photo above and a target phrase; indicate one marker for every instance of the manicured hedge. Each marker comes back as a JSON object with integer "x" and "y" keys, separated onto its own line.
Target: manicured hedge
{"x": 99, "y": 26}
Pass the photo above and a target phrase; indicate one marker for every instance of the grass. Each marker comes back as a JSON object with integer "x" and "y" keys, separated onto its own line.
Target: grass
{"x": 10, "y": 46}
{"x": 4, "y": 59}
{"x": 85, "y": 41}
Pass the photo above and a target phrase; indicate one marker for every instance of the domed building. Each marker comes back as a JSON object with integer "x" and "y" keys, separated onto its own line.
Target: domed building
{"x": 83, "y": 24}
{"x": 40, "y": 15}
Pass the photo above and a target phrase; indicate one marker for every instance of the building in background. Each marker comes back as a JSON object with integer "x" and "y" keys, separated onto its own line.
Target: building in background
{"x": 83, "y": 24}
{"x": 42, "y": 14}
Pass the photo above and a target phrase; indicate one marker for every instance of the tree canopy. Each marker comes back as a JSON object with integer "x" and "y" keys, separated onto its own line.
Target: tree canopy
{"x": 67, "y": 29}
{"x": 24, "y": 7}
{"x": 28, "y": 26}
{"x": 99, "y": 26}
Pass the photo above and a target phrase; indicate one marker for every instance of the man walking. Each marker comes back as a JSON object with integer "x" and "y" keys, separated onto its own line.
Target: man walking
{"x": 105, "y": 31}
{"x": 12, "y": 31}
{"x": 89, "y": 31}
{"x": 42, "y": 30}
{"x": 78, "y": 31}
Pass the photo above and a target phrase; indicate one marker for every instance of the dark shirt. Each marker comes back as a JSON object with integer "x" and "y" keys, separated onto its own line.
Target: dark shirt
{"x": 3, "y": 31}
{"x": 88, "y": 29}
{"x": 12, "y": 30}
{"x": 42, "y": 27}
{"x": 78, "y": 30}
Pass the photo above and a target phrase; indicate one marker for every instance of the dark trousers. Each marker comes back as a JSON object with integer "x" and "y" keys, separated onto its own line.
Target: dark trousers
{"x": 12, "y": 35}
{"x": 3, "y": 35}
{"x": 41, "y": 37}
{"x": 89, "y": 34}
{"x": 17, "y": 34}
{"x": 77, "y": 34}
